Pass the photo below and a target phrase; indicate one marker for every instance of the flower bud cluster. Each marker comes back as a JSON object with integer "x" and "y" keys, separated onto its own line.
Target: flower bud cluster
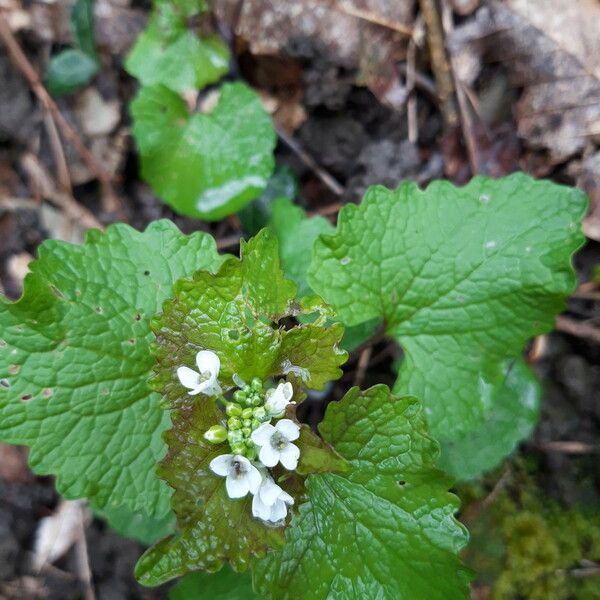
{"x": 256, "y": 445}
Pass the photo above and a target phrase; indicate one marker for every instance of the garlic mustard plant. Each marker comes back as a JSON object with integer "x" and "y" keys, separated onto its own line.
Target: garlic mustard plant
{"x": 162, "y": 382}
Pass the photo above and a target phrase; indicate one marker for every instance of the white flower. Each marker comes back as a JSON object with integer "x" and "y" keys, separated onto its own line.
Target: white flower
{"x": 205, "y": 381}
{"x": 242, "y": 476}
{"x": 270, "y": 502}
{"x": 275, "y": 443}
{"x": 278, "y": 399}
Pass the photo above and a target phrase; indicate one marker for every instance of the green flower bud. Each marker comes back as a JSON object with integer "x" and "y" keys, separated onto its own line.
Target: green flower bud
{"x": 233, "y": 410}
{"x": 260, "y": 413}
{"x": 239, "y": 396}
{"x": 235, "y": 436}
{"x": 246, "y": 431}
{"x": 234, "y": 423}
{"x": 257, "y": 385}
{"x": 247, "y": 413}
{"x": 256, "y": 401}
{"x": 251, "y": 453}
{"x": 255, "y": 424}
{"x": 216, "y": 434}
{"x": 247, "y": 422}
{"x": 239, "y": 448}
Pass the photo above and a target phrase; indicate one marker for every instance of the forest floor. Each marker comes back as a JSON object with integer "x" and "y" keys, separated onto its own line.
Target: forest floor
{"x": 355, "y": 107}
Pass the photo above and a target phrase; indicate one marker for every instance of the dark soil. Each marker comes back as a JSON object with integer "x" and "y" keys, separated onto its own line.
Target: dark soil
{"x": 360, "y": 142}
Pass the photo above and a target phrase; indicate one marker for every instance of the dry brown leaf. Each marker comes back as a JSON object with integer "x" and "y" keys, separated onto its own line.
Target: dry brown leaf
{"x": 589, "y": 180}
{"x": 57, "y": 533}
{"x": 550, "y": 48}
{"x": 369, "y": 35}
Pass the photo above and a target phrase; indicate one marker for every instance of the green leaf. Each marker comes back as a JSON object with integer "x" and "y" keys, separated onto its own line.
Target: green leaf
{"x": 384, "y": 530}
{"x": 296, "y": 235}
{"x": 68, "y": 71}
{"x": 137, "y": 525}
{"x": 213, "y": 528}
{"x": 82, "y": 26}
{"x": 75, "y": 358}
{"x": 204, "y": 165}
{"x": 224, "y": 585}
{"x": 235, "y": 314}
{"x": 463, "y": 277}
{"x": 257, "y": 214}
{"x": 514, "y": 410}
{"x": 176, "y": 57}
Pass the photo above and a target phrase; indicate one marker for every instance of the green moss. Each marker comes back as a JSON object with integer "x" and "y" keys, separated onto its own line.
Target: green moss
{"x": 526, "y": 546}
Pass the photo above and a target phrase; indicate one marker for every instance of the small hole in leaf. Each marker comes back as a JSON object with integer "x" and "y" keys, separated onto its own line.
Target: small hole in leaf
{"x": 4, "y": 383}
{"x": 98, "y": 309}
{"x": 146, "y": 273}
{"x": 233, "y": 334}
{"x": 2, "y": 343}
{"x": 14, "y": 369}
{"x": 131, "y": 341}
{"x": 402, "y": 482}
{"x": 26, "y": 397}
{"x": 104, "y": 392}
{"x": 47, "y": 392}
{"x": 138, "y": 317}
{"x": 78, "y": 292}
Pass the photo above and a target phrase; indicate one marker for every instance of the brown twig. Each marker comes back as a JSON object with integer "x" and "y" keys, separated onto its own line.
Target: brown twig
{"x": 580, "y": 329}
{"x": 228, "y": 242}
{"x": 569, "y": 447}
{"x": 466, "y": 118}
{"x": 75, "y": 211}
{"x": 328, "y": 179}
{"x": 82, "y": 559}
{"x": 326, "y": 211}
{"x": 439, "y": 62}
{"x": 366, "y": 15}
{"x": 363, "y": 363}
{"x": 70, "y": 134}
{"x": 62, "y": 169}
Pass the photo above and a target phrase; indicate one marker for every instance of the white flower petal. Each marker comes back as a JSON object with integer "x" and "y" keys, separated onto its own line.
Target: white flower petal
{"x": 288, "y": 391}
{"x": 221, "y": 464}
{"x": 262, "y": 435}
{"x": 259, "y": 509}
{"x": 188, "y": 377}
{"x": 254, "y": 479}
{"x": 268, "y": 456}
{"x": 237, "y": 487}
{"x": 238, "y": 381}
{"x": 285, "y": 497}
{"x": 208, "y": 363}
{"x": 269, "y": 491}
{"x": 210, "y": 387}
{"x": 278, "y": 511}
{"x": 289, "y": 456}
{"x": 279, "y": 398}
{"x": 289, "y": 429}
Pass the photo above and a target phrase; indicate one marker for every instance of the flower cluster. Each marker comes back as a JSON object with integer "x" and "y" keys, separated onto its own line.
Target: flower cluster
{"x": 256, "y": 444}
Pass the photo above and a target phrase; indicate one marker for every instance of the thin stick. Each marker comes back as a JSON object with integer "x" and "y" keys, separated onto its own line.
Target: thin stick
{"x": 22, "y": 63}
{"x": 578, "y": 328}
{"x": 72, "y": 208}
{"x": 62, "y": 169}
{"x": 365, "y": 15}
{"x": 229, "y": 242}
{"x": 328, "y": 179}
{"x": 570, "y": 447}
{"x": 411, "y": 108}
{"x": 330, "y": 209}
{"x": 466, "y": 119}
{"x": 82, "y": 559}
{"x": 363, "y": 363}
{"x": 439, "y": 62}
